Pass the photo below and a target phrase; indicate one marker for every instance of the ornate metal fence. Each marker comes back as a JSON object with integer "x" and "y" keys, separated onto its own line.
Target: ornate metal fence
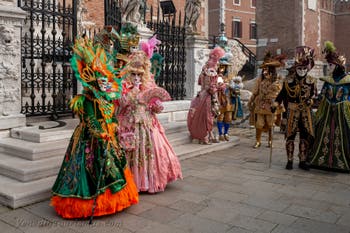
{"x": 47, "y": 35}
{"x": 112, "y": 13}
{"x": 171, "y": 32}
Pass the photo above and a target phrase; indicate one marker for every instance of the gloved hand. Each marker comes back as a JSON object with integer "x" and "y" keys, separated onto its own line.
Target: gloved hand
{"x": 156, "y": 106}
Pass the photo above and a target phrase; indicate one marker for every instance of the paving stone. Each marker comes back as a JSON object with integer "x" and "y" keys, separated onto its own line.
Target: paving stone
{"x": 138, "y": 209}
{"x": 248, "y": 210}
{"x": 278, "y": 218}
{"x": 159, "y": 228}
{"x": 311, "y": 213}
{"x": 161, "y": 214}
{"x": 4, "y": 209}
{"x": 22, "y": 218}
{"x": 193, "y": 223}
{"x": 313, "y": 226}
{"x": 253, "y": 224}
{"x": 344, "y": 220}
{"x": 218, "y": 214}
{"x": 238, "y": 230}
{"x": 187, "y": 206}
{"x": 8, "y": 228}
{"x": 287, "y": 229}
{"x": 230, "y": 196}
{"x": 162, "y": 198}
{"x": 266, "y": 203}
{"x": 307, "y": 202}
{"x": 335, "y": 198}
{"x": 192, "y": 197}
{"x": 129, "y": 221}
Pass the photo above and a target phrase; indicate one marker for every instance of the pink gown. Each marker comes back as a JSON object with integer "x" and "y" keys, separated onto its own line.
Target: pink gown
{"x": 150, "y": 156}
{"x": 200, "y": 118}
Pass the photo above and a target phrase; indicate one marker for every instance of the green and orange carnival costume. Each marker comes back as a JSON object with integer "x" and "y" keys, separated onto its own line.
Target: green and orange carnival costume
{"x": 94, "y": 179}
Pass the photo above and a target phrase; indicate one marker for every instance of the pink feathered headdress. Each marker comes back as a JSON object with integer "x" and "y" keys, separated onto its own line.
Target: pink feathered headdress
{"x": 150, "y": 46}
{"x": 216, "y": 54}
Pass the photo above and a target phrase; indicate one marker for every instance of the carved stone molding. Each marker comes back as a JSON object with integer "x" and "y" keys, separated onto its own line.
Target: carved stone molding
{"x": 196, "y": 55}
{"x": 11, "y": 19}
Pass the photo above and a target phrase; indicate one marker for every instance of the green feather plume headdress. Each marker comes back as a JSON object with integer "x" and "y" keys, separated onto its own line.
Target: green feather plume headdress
{"x": 91, "y": 62}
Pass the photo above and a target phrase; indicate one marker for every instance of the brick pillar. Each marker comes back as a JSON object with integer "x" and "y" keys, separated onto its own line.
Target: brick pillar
{"x": 11, "y": 18}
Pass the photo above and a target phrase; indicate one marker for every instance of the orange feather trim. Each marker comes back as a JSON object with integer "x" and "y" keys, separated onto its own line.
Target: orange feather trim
{"x": 107, "y": 203}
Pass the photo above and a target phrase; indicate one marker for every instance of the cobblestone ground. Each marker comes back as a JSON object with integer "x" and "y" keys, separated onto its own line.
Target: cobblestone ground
{"x": 232, "y": 190}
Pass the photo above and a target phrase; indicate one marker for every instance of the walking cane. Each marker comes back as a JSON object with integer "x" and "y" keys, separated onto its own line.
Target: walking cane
{"x": 273, "y": 110}
{"x": 98, "y": 183}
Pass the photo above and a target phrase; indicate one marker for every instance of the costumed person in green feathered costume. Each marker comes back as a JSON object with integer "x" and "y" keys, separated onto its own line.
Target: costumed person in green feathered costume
{"x": 94, "y": 178}
{"x": 331, "y": 149}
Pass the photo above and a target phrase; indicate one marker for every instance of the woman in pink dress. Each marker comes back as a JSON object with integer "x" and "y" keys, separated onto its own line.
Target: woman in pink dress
{"x": 150, "y": 156}
{"x": 204, "y": 107}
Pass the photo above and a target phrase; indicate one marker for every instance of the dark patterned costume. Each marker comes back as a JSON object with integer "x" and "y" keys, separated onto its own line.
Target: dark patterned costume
{"x": 298, "y": 93}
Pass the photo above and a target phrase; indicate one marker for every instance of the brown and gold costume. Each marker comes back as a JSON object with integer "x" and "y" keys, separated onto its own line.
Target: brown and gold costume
{"x": 265, "y": 91}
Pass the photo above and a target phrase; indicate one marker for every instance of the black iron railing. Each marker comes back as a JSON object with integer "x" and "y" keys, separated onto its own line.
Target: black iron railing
{"x": 171, "y": 32}
{"x": 47, "y": 80}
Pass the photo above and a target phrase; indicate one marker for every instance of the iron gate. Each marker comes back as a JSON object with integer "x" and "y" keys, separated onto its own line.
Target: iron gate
{"x": 171, "y": 33}
{"x": 47, "y": 36}
{"x": 112, "y": 13}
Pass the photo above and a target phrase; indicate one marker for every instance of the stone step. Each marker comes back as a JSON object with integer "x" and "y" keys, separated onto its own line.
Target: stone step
{"x": 175, "y": 127}
{"x": 27, "y": 161}
{"x": 50, "y": 131}
{"x": 31, "y": 150}
{"x": 26, "y": 170}
{"x": 178, "y": 138}
{"x": 190, "y": 150}
{"x": 18, "y": 194}
{"x": 46, "y": 131}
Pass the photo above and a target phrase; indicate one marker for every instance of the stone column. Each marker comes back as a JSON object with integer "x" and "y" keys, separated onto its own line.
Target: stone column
{"x": 11, "y": 18}
{"x": 197, "y": 53}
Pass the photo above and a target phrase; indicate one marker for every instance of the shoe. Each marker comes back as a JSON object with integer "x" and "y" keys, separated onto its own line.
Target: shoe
{"x": 257, "y": 144}
{"x": 227, "y": 138}
{"x": 214, "y": 140}
{"x": 204, "y": 142}
{"x": 289, "y": 165}
{"x": 221, "y": 138}
{"x": 303, "y": 165}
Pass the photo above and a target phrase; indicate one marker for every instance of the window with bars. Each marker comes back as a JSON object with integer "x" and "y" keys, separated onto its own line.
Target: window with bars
{"x": 252, "y": 31}
{"x": 237, "y": 29}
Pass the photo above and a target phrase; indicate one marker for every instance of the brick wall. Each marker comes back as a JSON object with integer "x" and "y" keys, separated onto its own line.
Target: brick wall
{"x": 279, "y": 26}
{"x": 244, "y": 12}
{"x": 342, "y": 30}
{"x": 94, "y": 12}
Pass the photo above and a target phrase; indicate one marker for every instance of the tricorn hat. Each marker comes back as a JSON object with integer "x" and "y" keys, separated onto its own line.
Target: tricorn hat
{"x": 272, "y": 61}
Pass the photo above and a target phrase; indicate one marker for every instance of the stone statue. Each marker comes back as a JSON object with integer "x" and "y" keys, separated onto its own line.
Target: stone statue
{"x": 130, "y": 10}
{"x": 192, "y": 10}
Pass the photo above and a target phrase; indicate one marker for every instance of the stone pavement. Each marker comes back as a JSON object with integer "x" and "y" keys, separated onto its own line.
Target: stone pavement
{"x": 232, "y": 190}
